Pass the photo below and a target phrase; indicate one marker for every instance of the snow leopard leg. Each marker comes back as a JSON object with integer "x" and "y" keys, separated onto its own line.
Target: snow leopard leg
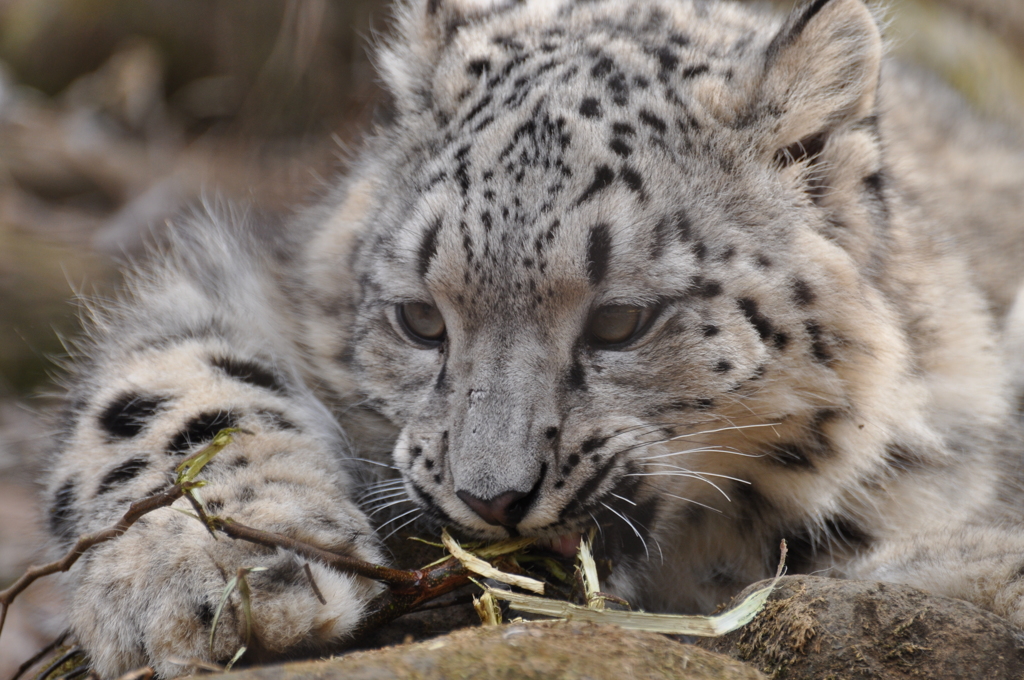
{"x": 201, "y": 343}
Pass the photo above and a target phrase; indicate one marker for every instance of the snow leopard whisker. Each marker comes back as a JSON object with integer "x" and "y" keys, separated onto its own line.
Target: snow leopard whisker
{"x": 630, "y": 525}
{"x": 600, "y": 530}
{"x": 691, "y": 475}
{"x": 623, "y": 498}
{"x": 383, "y": 497}
{"x": 398, "y": 517}
{"x": 374, "y": 462}
{"x": 400, "y": 527}
{"x": 391, "y": 485}
{"x": 695, "y": 472}
{"x": 700, "y": 433}
{"x": 704, "y": 449}
{"x": 385, "y": 506}
{"x": 392, "y": 481}
{"x": 690, "y": 500}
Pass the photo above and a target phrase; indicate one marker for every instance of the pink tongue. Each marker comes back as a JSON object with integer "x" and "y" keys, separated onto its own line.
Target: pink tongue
{"x": 566, "y": 545}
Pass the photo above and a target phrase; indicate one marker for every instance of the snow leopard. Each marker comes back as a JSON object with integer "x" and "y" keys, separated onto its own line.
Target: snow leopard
{"x": 688, "y": 275}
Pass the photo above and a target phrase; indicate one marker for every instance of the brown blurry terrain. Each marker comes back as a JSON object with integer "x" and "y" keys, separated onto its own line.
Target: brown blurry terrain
{"x": 117, "y": 114}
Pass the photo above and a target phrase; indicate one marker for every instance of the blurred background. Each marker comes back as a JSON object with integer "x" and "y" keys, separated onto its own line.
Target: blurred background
{"x": 117, "y": 114}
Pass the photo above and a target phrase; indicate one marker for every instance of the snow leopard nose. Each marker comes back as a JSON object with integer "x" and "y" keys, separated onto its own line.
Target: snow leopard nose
{"x": 506, "y": 509}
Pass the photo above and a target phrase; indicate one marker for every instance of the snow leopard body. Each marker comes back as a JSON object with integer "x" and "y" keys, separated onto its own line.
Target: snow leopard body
{"x": 700, "y": 276}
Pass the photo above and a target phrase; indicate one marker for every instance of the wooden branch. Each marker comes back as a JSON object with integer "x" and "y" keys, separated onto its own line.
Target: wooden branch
{"x": 135, "y": 511}
{"x": 396, "y": 578}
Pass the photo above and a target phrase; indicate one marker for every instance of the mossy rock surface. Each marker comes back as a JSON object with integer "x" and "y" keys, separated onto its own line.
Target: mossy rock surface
{"x": 820, "y": 628}
{"x": 522, "y": 651}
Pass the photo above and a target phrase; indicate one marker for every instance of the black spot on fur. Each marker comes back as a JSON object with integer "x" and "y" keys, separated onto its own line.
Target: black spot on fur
{"x": 618, "y": 146}
{"x": 780, "y": 339}
{"x": 576, "y": 378}
{"x": 204, "y": 614}
{"x": 623, "y": 130}
{"x": 461, "y": 171}
{"x": 803, "y": 295}
{"x": 551, "y": 432}
{"x": 791, "y": 455}
{"x": 652, "y": 121}
{"x": 573, "y": 460}
{"x": 592, "y": 444}
{"x": 633, "y": 180}
{"x": 477, "y": 67}
{"x": 129, "y": 413}
{"x": 819, "y": 348}
{"x": 903, "y": 457}
{"x": 122, "y": 473}
{"x": 694, "y": 71}
{"x": 428, "y": 248}
{"x": 588, "y": 489}
{"x": 247, "y": 494}
{"x": 723, "y": 366}
{"x": 700, "y": 251}
{"x": 591, "y": 108}
{"x": 599, "y": 249}
{"x": 200, "y": 430}
{"x": 62, "y": 518}
{"x": 250, "y": 372}
{"x": 619, "y": 89}
{"x": 603, "y": 177}
{"x": 667, "y": 61}
{"x": 603, "y": 67}
{"x": 759, "y": 321}
{"x": 480, "y": 106}
{"x": 709, "y": 330}
{"x": 875, "y": 183}
{"x": 705, "y": 288}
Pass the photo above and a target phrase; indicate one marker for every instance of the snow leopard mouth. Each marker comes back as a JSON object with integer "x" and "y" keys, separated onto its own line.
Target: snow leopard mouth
{"x": 566, "y": 545}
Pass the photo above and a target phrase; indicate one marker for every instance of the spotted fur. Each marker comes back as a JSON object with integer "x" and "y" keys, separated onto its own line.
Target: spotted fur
{"x": 821, "y": 354}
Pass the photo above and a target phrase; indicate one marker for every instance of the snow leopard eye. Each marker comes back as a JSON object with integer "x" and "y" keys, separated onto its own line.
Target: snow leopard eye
{"x": 613, "y": 326}
{"x": 422, "y": 322}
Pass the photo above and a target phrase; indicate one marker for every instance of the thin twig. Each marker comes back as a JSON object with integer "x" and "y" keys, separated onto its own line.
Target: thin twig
{"x": 397, "y": 578}
{"x": 312, "y": 583}
{"x": 135, "y": 511}
{"x": 40, "y": 654}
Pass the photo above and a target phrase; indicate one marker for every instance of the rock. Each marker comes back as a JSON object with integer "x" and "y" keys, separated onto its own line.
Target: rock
{"x": 522, "y": 651}
{"x": 819, "y": 628}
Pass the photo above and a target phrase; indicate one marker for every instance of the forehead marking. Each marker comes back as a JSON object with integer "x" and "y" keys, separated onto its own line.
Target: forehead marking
{"x": 603, "y": 177}
{"x": 599, "y": 248}
{"x": 428, "y": 248}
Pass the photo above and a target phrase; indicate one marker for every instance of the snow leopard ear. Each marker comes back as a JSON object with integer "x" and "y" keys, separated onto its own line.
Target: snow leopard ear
{"x": 820, "y": 72}
{"x": 424, "y": 30}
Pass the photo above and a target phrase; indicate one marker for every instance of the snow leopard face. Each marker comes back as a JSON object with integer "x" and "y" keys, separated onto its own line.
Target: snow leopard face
{"x": 594, "y": 271}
